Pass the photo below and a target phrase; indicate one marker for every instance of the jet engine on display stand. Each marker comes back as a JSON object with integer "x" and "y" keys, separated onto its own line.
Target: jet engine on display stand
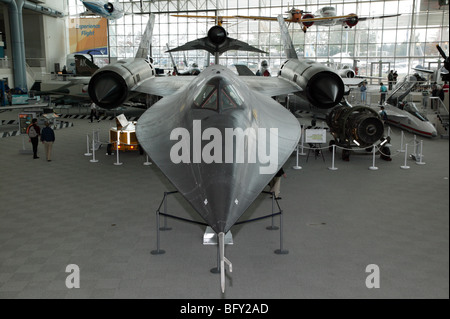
{"x": 358, "y": 126}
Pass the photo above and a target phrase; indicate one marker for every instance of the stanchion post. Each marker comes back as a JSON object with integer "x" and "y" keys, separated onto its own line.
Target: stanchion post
{"x": 302, "y": 140}
{"x": 389, "y": 136}
{"x": 158, "y": 251}
{"x": 297, "y": 166}
{"x": 147, "y": 162}
{"x": 373, "y": 167}
{"x": 93, "y": 160}
{"x": 88, "y": 153}
{"x": 165, "y": 227}
{"x": 332, "y": 168}
{"x": 272, "y": 227}
{"x": 281, "y": 251}
{"x": 415, "y": 147}
{"x": 117, "y": 150}
{"x": 401, "y": 150}
{"x": 406, "y": 156}
{"x": 420, "y": 162}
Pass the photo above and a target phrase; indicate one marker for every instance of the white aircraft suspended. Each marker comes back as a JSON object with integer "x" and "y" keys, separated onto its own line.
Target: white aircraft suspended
{"x": 103, "y": 8}
{"x": 326, "y": 16}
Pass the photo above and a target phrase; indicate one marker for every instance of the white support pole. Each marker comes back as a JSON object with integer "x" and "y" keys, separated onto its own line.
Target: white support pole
{"x": 332, "y": 168}
{"x": 117, "y": 163}
{"x": 406, "y": 157}
{"x": 420, "y": 162}
{"x": 373, "y": 167}
{"x": 147, "y": 162}
{"x": 297, "y": 166}
{"x": 389, "y": 135}
{"x": 415, "y": 147}
{"x": 93, "y": 160}
{"x": 88, "y": 153}
{"x": 302, "y": 140}
{"x": 401, "y": 150}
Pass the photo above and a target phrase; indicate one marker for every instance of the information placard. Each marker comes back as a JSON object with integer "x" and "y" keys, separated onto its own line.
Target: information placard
{"x": 315, "y": 136}
{"x": 25, "y": 121}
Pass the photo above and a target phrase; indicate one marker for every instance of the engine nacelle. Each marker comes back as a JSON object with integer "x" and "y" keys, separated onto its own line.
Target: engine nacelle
{"x": 322, "y": 86}
{"x": 360, "y": 125}
{"x": 352, "y": 21}
{"x": 110, "y": 86}
{"x": 346, "y": 73}
{"x": 109, "y": 7}
{"x": 307, "y": 24}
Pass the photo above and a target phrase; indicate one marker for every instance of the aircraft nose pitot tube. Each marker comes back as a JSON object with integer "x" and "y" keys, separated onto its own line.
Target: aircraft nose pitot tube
{"x": 109, "y": 87}
{"x": 322, "y": 87}
{"x": 360, "y": 125}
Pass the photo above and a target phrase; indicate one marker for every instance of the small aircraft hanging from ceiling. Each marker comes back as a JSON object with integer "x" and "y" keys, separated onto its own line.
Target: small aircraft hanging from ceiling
{"x": 102, "y": 8}
{"x": 218, "y": 20}
{"x": 326, "y": 16}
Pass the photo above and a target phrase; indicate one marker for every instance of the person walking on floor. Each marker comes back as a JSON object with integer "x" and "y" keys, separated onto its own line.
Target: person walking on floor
{"x": 34, "y": 131}
{"x": 363, "y": 90}
{"x": 94, "y": 112}
{"x": 48, "y": 138}
{"x": 383, "y": 91}
{"x": 275, "y": 183}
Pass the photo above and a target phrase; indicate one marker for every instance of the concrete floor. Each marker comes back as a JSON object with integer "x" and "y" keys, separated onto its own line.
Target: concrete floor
{"x": 101, "y": 217}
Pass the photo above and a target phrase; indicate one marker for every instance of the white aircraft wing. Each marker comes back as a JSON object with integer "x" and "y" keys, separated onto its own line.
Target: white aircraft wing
{"x": 270, "y": 86}
{"x": 424, "y": 70}
{"x": 352, "y": 81}
{"x": 351, "y": 19}
{"x": 22, "y": 107}
{"x": 165, "y": 86}
{"x": 378, "y": 17}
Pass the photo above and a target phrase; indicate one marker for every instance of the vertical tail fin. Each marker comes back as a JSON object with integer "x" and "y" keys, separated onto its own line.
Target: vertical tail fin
{"x": 286, "y": 39}
{"x": 144, "y": 47}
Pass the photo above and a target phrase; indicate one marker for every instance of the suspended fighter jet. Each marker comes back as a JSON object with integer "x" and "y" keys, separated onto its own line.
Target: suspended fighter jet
{"x": 219, "y": 138}
{"x": 326, "y": 16}
{"x": 103, "y": 8}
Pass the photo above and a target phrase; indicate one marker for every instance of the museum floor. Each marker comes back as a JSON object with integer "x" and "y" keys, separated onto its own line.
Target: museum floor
{"x": 101, "y": 217}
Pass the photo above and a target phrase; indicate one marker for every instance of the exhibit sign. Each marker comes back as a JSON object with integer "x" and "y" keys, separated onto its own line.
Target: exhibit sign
{"x": 25, "y": 121}
{"x": 88, "y": 35}
{"x": 316, "y": 136}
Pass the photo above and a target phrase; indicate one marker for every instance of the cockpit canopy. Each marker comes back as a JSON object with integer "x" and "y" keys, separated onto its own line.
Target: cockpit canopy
{"x": 412, "y": 109}
{"x": 218, "y": 94}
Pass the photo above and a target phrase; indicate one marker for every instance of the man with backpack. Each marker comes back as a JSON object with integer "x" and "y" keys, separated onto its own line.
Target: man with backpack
{"x": 34, "y": 132}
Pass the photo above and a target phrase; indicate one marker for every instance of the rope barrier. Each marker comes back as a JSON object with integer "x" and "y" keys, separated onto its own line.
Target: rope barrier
{"x": 417, "y": 155}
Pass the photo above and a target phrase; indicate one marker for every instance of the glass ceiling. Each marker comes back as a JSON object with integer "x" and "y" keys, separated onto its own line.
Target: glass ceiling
{"x": 378, "y": 45}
